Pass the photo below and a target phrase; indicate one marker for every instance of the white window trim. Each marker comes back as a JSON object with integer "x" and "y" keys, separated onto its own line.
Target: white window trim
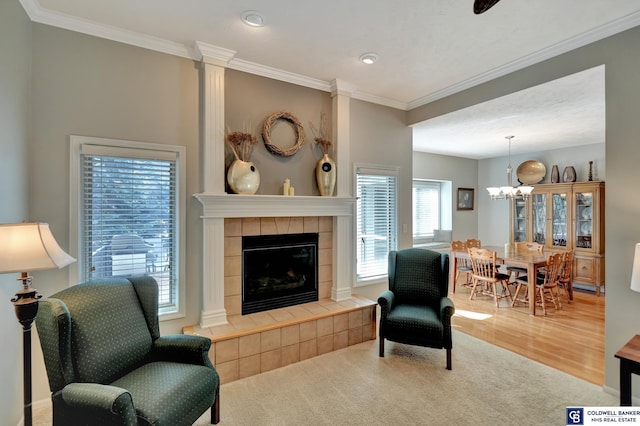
{"x": 76, "y": 143}
{"x": 428, "y": 238}
{"x": 374, "y": 169}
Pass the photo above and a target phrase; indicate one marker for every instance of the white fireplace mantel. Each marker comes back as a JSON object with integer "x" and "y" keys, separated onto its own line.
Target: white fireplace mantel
{"x": 234, "y": 206}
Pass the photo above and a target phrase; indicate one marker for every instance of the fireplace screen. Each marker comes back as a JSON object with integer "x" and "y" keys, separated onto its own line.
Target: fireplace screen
{"x": 279, "y": 271}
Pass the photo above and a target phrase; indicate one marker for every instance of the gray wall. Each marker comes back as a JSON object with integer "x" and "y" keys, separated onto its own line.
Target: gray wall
{"x": 619, "y": 54}
{"x": 379, "y": 135}
{"x": 249, "y": 100}
{"x": 15, "y": 97}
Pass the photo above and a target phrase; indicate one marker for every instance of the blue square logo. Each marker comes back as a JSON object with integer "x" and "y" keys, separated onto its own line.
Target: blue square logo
{"x": 575, "y": 416}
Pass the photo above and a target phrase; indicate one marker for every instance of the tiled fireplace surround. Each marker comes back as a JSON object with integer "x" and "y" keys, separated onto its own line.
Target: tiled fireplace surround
{"x": 235, "y": 229}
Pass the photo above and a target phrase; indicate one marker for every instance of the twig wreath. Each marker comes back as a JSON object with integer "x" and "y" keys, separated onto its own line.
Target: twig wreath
{"x": 266, "y": 133}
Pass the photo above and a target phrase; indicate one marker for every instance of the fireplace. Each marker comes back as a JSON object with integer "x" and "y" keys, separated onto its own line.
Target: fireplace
{"x": 279, "y": 271}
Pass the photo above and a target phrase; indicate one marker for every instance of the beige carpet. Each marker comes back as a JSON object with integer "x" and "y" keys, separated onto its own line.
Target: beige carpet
{"x": 487, "y": 386}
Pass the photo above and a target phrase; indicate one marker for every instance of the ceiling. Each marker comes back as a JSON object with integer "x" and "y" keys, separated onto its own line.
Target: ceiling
{"x": 427, "y": 49}
{"x": 562, "y": 113}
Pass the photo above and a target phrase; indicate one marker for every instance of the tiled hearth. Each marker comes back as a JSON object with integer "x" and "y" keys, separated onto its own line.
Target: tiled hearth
{"x": 255, "y": 343}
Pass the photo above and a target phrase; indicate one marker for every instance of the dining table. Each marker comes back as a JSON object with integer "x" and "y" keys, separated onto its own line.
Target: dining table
{"x": 508, "y": 256}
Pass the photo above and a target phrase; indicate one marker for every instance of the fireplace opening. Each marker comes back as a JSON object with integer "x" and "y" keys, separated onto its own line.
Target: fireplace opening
{"x": 279, "y": 271}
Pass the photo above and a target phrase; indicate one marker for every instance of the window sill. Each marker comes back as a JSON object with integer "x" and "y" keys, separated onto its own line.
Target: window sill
{"x": 383, "y": 279}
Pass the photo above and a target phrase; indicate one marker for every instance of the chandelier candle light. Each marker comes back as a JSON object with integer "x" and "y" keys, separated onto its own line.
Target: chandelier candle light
{"x": 510, "y": 191}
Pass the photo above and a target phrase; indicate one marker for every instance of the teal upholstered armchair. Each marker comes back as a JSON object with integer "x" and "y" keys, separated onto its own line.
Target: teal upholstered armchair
{"x": 108, "y": 365}
{"x": 416, "y": 310}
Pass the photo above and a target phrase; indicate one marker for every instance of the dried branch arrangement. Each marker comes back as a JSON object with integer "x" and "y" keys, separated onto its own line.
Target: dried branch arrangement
{"x": 321, "y": 136}
{"x": 241, "y": 143}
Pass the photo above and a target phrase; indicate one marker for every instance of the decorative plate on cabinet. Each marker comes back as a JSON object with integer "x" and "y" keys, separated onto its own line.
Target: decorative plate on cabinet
{"x": 531, "y": 171}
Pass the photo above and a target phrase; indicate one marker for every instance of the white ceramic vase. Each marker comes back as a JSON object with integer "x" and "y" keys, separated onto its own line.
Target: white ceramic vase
{"x": 243, "y": 177}
{"x": 326, "y": 175}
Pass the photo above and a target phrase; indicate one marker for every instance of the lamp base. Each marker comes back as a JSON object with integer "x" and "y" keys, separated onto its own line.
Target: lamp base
{"x": 25, "y": 303}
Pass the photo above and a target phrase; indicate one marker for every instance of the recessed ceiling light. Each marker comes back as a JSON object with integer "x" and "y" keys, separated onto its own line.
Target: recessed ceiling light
{"x": 368, "y": 58}
{"x": 253, "y": 18}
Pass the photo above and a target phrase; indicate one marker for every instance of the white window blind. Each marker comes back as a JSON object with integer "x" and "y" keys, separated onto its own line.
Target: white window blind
{"x": 128, "y": 216}
{"x": 426, "y": 209}
{"x": 376, "y": 221}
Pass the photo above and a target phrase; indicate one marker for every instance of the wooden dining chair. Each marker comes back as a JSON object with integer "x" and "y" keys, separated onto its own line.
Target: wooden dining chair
{"x": 546, "y": 283}
{"x": 566, "y": 275}
{"x": 523, "y": 247}
{"x": 486, "y": 276}
{"x": 462, "y": 263}
{"x": 473, "y": 243}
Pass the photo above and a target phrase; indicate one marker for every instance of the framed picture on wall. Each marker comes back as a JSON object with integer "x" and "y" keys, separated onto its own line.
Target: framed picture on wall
{"x": 465, "y": 198}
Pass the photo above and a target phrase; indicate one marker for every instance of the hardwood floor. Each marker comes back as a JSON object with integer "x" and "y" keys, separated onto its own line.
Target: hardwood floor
{"x": 570, "y": 339}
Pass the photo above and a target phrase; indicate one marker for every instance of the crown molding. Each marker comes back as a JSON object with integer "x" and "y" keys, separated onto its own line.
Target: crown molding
{"x": 213, "y": 54}
{"x": 43, "y": 16}
{"x": 38, "y": 14}
{"x": 339, "y": 86}
{"x": 277, "y": 74}
{"x": 374, "y": 99}
{"x": 587, "y": 37}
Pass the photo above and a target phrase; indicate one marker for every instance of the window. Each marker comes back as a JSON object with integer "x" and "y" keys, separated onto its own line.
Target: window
{"x": 376, "y": 190}
{"x": 426, "y": 209}
{"x": 127, "y": 197}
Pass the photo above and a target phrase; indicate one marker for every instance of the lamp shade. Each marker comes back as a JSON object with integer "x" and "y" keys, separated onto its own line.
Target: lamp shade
{"x": 635, "y": 272}
{"x": 30, "y": 247}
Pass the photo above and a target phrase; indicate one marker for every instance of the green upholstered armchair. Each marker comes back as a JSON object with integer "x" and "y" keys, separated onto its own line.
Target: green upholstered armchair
{"x": 416, "y": 310}
{"x": 108, "y": 365}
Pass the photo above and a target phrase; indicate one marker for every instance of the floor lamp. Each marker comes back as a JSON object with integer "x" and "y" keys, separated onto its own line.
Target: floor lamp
{"x": 28, "y": 247}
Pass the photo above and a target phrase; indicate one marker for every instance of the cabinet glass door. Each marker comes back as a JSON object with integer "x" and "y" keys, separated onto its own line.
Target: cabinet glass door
{"x": 519, "y": 220}
{"x": 584, "y": 219}
{"x": 539, "y": 203}
{"x": 559, "y": 219}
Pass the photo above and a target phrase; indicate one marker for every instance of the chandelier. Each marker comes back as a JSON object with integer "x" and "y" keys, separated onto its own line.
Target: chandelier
{"x": 510, "y": 191}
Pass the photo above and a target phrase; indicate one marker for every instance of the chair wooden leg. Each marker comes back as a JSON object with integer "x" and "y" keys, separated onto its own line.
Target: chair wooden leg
{"x": 541, "y": 292}
{"x": 448, "y": 358}
{"x": 381, "y": 346}
{"x": 215, "y": 410}
{"x": 473, "y": 289}
{"x": 505, "y": 291}
{"x": 515, "y": 296}
{"x": 559, "y": 306}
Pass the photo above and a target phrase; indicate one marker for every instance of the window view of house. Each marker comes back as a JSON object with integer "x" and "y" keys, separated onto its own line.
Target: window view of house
{"x": 128, "y": 217}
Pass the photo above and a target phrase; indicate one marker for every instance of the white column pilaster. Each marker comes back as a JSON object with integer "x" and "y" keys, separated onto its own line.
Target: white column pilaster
{"x": 344, "y": 257}
{"x": 214, "y": 62}
{"x": 213, "y": 311}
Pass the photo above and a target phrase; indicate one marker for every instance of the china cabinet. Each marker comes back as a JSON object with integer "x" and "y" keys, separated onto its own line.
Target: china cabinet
{"x": 562, "y": 217}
